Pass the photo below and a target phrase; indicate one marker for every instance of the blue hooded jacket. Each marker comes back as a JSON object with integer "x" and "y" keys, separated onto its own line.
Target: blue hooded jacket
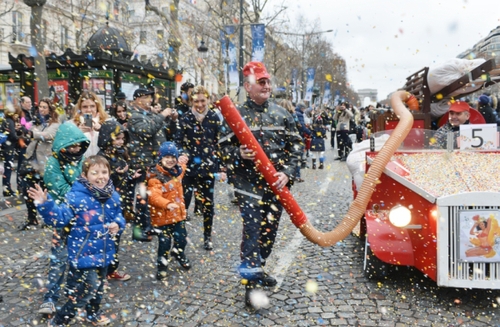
{"x": 89, "y": 243}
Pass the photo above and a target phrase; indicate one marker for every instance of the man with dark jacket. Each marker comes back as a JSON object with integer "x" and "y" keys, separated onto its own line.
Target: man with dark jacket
{"x": 197, "y": 138}
{"x": 146, "y": 133}
{"x": 484, "y": 107}
{"x": 182, "y": 102}
{"x": 275, "y": 130}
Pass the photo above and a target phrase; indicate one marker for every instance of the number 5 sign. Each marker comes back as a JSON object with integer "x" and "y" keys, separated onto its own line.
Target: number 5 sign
{"x": 478, "y": 137}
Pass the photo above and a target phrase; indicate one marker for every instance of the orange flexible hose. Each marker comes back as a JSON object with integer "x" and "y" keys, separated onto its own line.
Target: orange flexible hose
{"x": 358, "y": 207}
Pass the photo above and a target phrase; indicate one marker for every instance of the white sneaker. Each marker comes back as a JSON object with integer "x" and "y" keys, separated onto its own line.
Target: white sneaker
{"x": 47, "y": 308}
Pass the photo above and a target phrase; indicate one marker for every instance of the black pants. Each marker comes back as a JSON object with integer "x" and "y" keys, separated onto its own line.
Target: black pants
{"x": 28, "y": 181}
{"x": 344, "y": 142}
{"x": 205, "y": 189}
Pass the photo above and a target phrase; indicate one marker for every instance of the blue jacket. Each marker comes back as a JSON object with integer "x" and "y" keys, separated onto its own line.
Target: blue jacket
{"x": 199, "y": 140}
{"x": 303, "y": 130}
{"x": 89, "y": 244}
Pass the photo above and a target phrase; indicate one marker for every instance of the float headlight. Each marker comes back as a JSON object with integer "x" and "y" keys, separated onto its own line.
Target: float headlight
{"x": 400, "y": 216}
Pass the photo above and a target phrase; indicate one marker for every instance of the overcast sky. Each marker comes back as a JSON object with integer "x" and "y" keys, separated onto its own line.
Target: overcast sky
{"x": 385, "y": 41}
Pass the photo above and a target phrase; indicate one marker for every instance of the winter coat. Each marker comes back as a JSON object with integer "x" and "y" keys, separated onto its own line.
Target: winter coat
{"x": 440, "y": 139}
{"x": 40, "y": 146}
{"x": 303, "y": 130}
{"x": 11, "y": 145}
{"x": 199, "y": 141}
{"x": 181, "y": 107}
{"x": 163, "y": 189}
{"x": 276, "y": 131}
{"x": 487, "y": 111}
{"x": 116, "y": 157}
{"x": 89, "y": 243}
{"x": 60, "y": 174}
{"x": 343, "y": 119}
{"x": 146, "y": 132}
{"x": 318, "y": 136}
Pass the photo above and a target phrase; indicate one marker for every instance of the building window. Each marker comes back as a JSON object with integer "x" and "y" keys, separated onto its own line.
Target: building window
{"x": 159, "y": 35}
{"x": 64, "y": 37}
{"x": 143, "y": 36}
{"x": 17, "y": 26}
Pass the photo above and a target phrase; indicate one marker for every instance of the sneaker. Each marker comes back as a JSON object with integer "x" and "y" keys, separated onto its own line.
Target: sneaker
{"x": 51, "y": 323}
{"x": 161, "y": 275}
{"x": 268, "y": 280}
{"x": 207, "y": 245}
{"x": 117, "y": 276}
{"x": 47, "y": 308}
{"x": 183, "y": 261}
{"x": 98, "y": 319}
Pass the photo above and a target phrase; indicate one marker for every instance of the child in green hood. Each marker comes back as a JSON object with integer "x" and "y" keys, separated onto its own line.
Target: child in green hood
{"x": 62, "y": 169}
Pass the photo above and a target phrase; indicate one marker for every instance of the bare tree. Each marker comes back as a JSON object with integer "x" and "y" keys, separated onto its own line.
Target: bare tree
{"x": 41, "y": 76}
{"x": 170, "y": 23}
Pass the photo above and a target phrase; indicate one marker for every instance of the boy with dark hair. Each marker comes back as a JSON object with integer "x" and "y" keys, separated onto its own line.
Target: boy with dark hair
{"x": 93, "y": 210}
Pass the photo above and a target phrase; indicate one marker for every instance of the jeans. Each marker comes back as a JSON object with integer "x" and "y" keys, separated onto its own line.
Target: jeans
{"x": 260, "y": 225}
{"x": 205, "y": 187}
{"x": 176, "y": 231}
{"x": 84, "y": 289}
{"x": 9, "y": 156}
{"x": 116, "y": 262}
{"x": 58, "y": 262}
{"x": 142, "y": 217}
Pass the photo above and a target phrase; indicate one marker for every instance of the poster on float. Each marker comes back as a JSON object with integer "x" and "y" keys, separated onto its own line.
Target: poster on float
{"x": 479, "y": 236}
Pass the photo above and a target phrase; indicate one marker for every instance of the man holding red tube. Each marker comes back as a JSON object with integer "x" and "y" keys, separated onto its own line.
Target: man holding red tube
{"x": 275, "y": 130}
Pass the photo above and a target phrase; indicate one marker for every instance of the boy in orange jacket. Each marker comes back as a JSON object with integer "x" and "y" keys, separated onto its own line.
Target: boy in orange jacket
{"x": 167, "y": 209}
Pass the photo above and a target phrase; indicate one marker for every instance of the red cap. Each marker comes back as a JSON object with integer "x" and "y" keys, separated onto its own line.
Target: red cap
{"x": 459, "y": 106}
{"x": 257, "y": 69}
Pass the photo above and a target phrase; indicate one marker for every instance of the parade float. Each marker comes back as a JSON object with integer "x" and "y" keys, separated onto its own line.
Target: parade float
{"x": 404, "y": 218}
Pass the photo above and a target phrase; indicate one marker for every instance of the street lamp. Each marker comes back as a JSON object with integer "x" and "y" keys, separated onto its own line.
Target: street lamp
{"x": 303, "y": 35}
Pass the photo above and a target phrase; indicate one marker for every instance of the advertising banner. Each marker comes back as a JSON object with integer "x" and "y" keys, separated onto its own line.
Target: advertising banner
{"x": 310, "y": 83}
{"x": 234, "y": 79}
{"x": 294, "y": 85}
{"x": 258, "y": 38}
{"x": 327, "y": 95}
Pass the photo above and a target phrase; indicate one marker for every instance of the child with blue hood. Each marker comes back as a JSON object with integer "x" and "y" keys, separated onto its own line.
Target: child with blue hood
{"x": 92, "y": 208}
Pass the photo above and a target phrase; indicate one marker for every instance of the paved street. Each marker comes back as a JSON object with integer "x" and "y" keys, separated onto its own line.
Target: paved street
{"x": 210, "y": 293}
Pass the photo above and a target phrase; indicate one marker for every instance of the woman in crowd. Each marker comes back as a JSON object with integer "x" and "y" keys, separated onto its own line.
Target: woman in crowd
{"x": 42, "y": 134}
{"x": 15, "y": 132}
{"x": 89, "y": 116}
{"x": 119, "y": 111}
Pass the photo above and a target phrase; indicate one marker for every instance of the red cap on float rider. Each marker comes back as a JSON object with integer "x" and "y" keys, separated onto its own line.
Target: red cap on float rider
{"x": 257, "y": 69}
{"x": 459, "y": 106}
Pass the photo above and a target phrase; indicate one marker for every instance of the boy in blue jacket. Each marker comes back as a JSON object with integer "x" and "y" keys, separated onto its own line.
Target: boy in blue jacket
{"x": 93, "y": 209}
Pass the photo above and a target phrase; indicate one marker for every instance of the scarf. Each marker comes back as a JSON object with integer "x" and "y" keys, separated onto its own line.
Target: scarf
{"x": 199, "y": 116}
{"x": 72, "y": 158}
{"x": 101, "y": 194}
{"x": 173, "y": 172}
